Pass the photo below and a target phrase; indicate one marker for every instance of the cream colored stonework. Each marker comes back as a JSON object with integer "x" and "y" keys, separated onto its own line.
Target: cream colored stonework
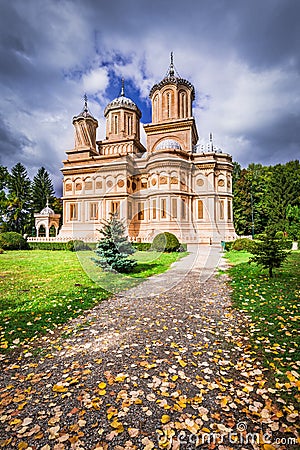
{"x": 171, "y": 185}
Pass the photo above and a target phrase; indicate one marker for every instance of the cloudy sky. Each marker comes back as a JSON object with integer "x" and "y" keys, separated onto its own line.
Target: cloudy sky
{"x": 241, "y": 55}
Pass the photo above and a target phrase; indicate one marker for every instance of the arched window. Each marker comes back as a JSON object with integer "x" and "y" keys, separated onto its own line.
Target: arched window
{"x": 155, "y": 109}
{"x": 42, "y": 231}
{"x": 174, "y": 208}
{"x": 222, "y": 209}
{"x": 168, "y": 105}
{"x": 115, "y": 124}
{"x": 200, "y": 209}
{"x": 229, "y": 214}
{"x": 129, "y": 124}
{"x": 182, "y": 104}
{"x": 52, "y": 231}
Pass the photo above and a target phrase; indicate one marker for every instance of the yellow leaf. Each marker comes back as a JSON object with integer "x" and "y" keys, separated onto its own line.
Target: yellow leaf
{"x": 15, "y": 422}
{"x": 182, "y": 363}
{"x": 59, "y": 388}
{"x": 102, "y": 385}
{"x": 22, "y": 445}
{"x": 118, "y": 426}
{"x": 102, "y": 392}
{"x": 121, "y": 377}
{"x": 224, "y": 402}
{"x": 165, "y": 418}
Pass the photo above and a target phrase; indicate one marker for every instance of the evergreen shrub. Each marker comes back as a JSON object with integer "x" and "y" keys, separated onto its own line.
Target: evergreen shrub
{"x": 242, "y": 244}
{"x": 113, "y": 250}
{"x": 11, "y": 240}
{"x": 76, "y": 245}
{"x": 47, "y": 245}
{"x": 228, "y": 246}
{"x": 165, "y": 242}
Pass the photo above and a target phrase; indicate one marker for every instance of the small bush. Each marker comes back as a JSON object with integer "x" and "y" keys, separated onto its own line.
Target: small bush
{"x": 13, "y": 241}
{"x": 76, "y": 245}
{"x": 182, "y": 248}
{"x": 242, "y": 244}
{"x": 165, "y": 242}
{"x": 1, "y": 251}
{"x": 47, "y": 245}
{"x": 228, "y": 246}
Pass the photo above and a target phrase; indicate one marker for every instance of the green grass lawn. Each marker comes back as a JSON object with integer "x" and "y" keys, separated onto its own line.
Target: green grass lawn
{"x": 42, "y": 289}
{"x": 272, "y": 304}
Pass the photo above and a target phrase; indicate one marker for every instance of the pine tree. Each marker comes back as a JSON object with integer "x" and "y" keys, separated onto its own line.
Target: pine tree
{"x": 269, "y": 251}
{"x": 19, "y": 200}
{"x": 113, "y": 250}
{"x": 42, "y": 190}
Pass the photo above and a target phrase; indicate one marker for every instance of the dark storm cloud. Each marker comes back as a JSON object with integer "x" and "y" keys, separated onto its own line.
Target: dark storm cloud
{"x": 241, "y": 55}
{"x": 12, "y": 144}
{"x": 268, "y": 33}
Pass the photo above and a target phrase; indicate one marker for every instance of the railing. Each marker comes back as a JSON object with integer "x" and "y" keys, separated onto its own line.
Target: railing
{"x": 61, "y": 239}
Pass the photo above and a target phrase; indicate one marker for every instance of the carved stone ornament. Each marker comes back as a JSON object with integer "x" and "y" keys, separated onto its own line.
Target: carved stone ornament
{"x": 163, "y": 180}
{"x": 121, "y": 183}
{"x": 221, "y": 183}
{"x": 200, "y": 182}
{"x": 109, "y": 184}
{"x": 78, "y": 186}
{"x": 153, "y": 181}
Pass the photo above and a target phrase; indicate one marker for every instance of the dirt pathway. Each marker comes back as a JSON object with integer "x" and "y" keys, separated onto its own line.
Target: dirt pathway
{"x": 168, "y": 371}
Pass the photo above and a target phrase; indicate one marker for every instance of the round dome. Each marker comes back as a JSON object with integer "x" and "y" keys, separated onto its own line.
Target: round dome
{"x": 47, "y": 211}
{"x": 121, "y": 102}
{"x": 168, "y": 143}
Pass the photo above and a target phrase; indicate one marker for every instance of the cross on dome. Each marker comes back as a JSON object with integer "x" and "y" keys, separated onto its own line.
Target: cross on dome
{"x": 122, "y": 88}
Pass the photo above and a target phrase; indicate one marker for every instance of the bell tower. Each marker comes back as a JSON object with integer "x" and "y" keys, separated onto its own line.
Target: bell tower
{"x": 122, "y": 118}
{"x": 85, "y": 129}
{"x": 172, "y": 118}
{"x": 122, "y": 127}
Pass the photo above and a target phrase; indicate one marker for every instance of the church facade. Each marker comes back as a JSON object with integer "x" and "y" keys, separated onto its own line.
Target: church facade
{"x": 172, "y": 184}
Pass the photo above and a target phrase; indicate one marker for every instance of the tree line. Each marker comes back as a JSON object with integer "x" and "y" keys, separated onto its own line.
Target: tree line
{"x": 267, "y": 196}
{"x": 21, "y": 197}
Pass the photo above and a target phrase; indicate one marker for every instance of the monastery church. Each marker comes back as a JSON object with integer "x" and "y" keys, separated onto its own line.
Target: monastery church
{"x": 172, "y": 184}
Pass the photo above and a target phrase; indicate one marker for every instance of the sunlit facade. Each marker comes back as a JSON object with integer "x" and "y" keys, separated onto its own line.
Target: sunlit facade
{"x": 172, "y": 184}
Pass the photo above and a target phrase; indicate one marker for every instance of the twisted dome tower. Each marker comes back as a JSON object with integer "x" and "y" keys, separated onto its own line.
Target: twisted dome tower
{"x": 85, "y": 129}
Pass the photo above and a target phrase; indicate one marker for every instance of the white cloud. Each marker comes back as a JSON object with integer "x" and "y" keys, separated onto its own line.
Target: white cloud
{"x": 95, "y": 81}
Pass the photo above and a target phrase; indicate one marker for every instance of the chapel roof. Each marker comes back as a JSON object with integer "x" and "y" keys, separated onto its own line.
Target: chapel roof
{"x": 122, "y": 102}
{"x": 85, "y": 113}
{"x": 47, "y": 210}
{"x": 172, "y": 77}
